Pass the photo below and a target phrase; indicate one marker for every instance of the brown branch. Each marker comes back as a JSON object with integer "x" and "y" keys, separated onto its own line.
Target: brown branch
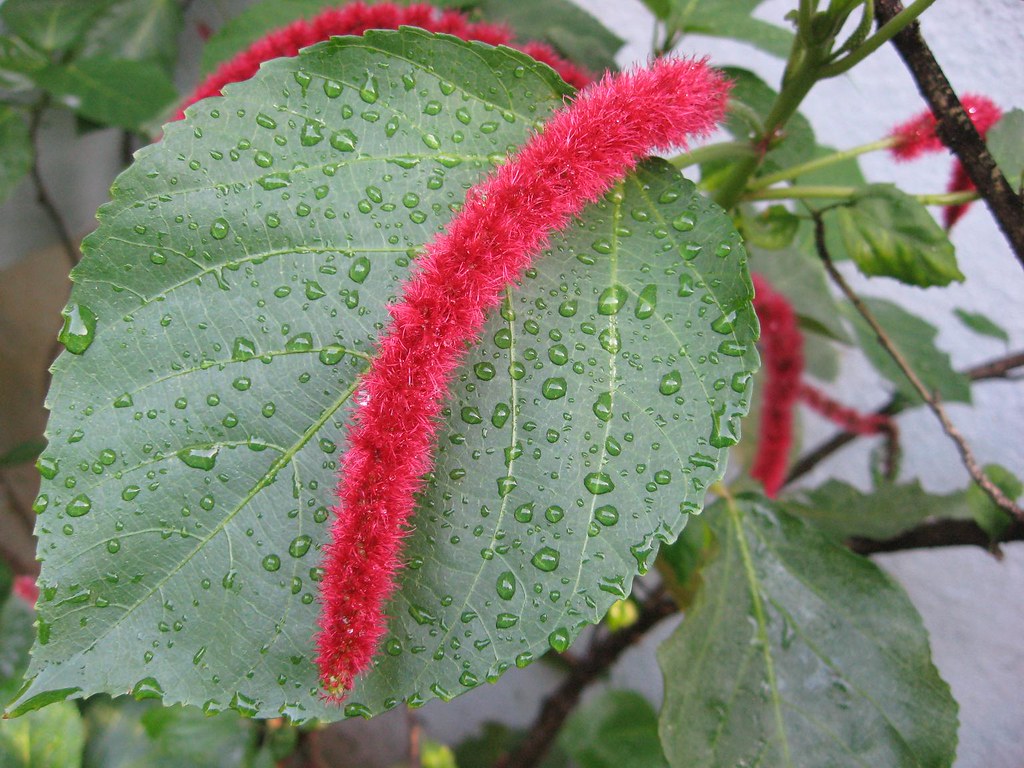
{"x": 956, "y": 130}
{"x": 560, "y": 703}
{"x": 930, "y": 398}
{"x": 938, "y": 533}
{"x": 43, "y": 194}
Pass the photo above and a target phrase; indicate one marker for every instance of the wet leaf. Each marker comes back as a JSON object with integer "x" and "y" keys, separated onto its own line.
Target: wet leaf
{"x": 231, "y": 296}
{"x": 15, "y": 150}
{"x": 798, "y": 652}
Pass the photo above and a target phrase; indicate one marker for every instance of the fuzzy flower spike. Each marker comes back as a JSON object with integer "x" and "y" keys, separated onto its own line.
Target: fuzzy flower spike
{"x": 506, "y": 219}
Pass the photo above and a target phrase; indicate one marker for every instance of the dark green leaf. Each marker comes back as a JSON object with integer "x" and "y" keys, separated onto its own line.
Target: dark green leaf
{"x": 1006, "y": 143}
{"x": 841, "y": 511}
{"x": 980, "y": 323}
{"x": 50, "y": 25}
{"x": 993, "y": 520}
{"x": 495, "y": 740}
{"x": 137, "y": 30}
{"x": 800, "y": 653}
{"x": 729, "y": 18}
{"x": 686, "y": 555}
{"x": 113, "y": 92}
{"x": 660, "y": 8}
{"x": 222, "y": 312}
{"x": 618, "y": 729}
{"x": 888, "y": 233}
{"x": 571, "y": 30}
{"x": 18, "y": 62}
{"x": 915, "y": 339}
{"x": 772, "y": 229}
{"x": 125, "y": 733}
{"x": 15, "y": 149}
{"x": 22, "y": 453}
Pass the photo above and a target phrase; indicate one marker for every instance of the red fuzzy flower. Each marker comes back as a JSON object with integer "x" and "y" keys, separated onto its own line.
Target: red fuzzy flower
{"x": 25, "y": 588}
{"x": 918, "y": 137}
{"x": 506, "y": 219}
{"x": 850, "y": 419}
{"x": 355, "y": 19}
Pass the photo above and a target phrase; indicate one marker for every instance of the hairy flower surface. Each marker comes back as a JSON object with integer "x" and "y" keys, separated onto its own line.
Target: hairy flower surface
{"x": 357, "y": 18}
{"x": 506, "y": 219}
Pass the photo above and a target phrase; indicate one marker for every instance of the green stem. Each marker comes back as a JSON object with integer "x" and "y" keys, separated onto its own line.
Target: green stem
{"x": 822, "y": 162}
{"x": 827, "y": 192}
{"x": 725, "y": 150}
{"x": 877, "y": 40}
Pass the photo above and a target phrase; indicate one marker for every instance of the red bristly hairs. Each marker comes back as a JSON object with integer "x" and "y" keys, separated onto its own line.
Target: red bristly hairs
{"x": 506, "y": 219}
{"x": 355, "y": 19}
{"x": 918, "y": 137}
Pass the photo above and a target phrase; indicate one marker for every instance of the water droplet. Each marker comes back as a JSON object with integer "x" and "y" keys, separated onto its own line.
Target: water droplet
{"x": 506, "y": 485}
{"x": 78, "y": 506}
{"x": 671, "y": 383}
{"x": 300, "y": 545}
{"x": 545, "y": 559}
{"x": 506, "y": 620}
{"x": 147, "y": 688}
{"x": 370, "y": 91}
{"x": 684, "y": 222}
{"x": 344, "y": 140}
{"x": 612, "y": 299}
{"x": 48, "y": 467}
{"x": 598, "y": 483}
{"x": 311, "y": 134}
{"x": 243, "y": 349}
{"x": 271, "y": 563}
{"x": 606, "y": 515}
{"x": 724, "y": 431}
{"x": 647, "y": 302}
{"x": 559, "y": 640}
{"x": 300, "y": 342}
{"x": 431, "y": 141}
{"x": 724, "y": 323}
{"x": 506, "y": 586}
{"x": 124, "y": 401}
{"x": 359, "y": 270}
{"x": 79, "y": 328}
{"x": 603, "y": 406}
{"x": 263, "y": 159}
{"x": 568, "y": 308}
{"x": 266, "y": 121}
{"x": 610, "y": 340}
{"x": 554, "y": 388}
{"x": 554, "y": 514}
{"x": 200, "y": 458}
{"x": 219, "y": 229}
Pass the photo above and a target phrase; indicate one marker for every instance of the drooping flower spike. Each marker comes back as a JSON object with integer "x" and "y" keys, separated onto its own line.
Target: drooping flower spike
{"x": 918, "y": 137}
{"x": 506, "y": 219}
{"x": 355, "y": 19}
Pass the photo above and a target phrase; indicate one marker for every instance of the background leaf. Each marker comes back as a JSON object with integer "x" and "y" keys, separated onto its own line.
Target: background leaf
{"x": 980, "y": 323}
{"x": 915, "y": 339}
{"x": 15, "y": 149}
{"x": 798, "y": 652}
{"x": 137, "y": 30}
{"x": 888, "y": 233}
{"x": 993, "y": 520}
{"x": 187, "y": 487}
{"x": 50, "y": 25}
{"x": 616, "y": 729}
{"x": 1006, "y": 143}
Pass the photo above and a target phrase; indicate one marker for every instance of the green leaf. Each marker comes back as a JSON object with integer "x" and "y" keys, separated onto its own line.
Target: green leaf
{"x": 731, "y": 19}
{"x": 915, "y": 340}
{"x": 50, "y": 25}
{"x": 573, "y": 32}
{"x": 125, "y": 733}
{"x": 772, "y": 228}
{"x": 22, "y": 453}
{"x": 15, "y": 149}
{"x": 798, "y": 652}
{"x": 1006, "y": 143}
{"x": 993, "y": 520}
{"x": 888, "y": 233}
{"x": 16, "y": 635}
{"x": 841, "y": 511}
{"x": 113, "y": 92}
{"x": 225, "y": 306}
{"x": 18, "y": 62}
{"x": 618, "y": 729}
{"x": 137, "y": 30}
{"x": 496, "y": 739}
{"x": 52, "y": 738}
{"x": 980, "y": 323}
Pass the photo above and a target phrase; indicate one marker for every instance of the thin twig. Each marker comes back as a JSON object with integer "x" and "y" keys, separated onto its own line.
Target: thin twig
{"x": 956, "y": 130}
{"x": 930, "y": 398}
{"x": 600, "y": 657}
{"x": 937, "y": 533}
{"x": 43, "y": 194}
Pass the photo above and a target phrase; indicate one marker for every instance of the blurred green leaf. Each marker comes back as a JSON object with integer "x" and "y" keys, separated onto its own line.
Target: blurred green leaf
{"x": 50, "y": 738}
{"x": 982, "y": 324}
{"x": 888, "y": 233}
{"x": 50, "y": 25}
{"x": 993, "y": 520}
{"x": 772, "y": 228}
{"x": 798, "y": 652}
{"x": 724, "y": 18}
{"x": 1006, "y": 143}
{"x": 616, "y": 729}
{"x": 841, "y": 511}
{"x": 16, "y": 151}
{"x": 113, "y": 92}
{"x": 915, "y": 340}
{"x": 137, "y": 30}
{"x": 495, "y": 740}
{"x": 22, "y": 453}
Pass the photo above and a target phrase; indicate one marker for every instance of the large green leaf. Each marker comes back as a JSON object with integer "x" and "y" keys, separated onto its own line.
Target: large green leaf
{"x": 137, "y": 30}
{"x": 115, "y": 92}
{"x": 887, "y": 232}
{"x": 914, "y": 338}
{"x": 618, "y": 729}
{"x": 798, "y": 652}
{"x": 50, "y": 24}
{"x": 725, "y": 18}
{"x": 15, "y": 149}
{"x": 225, "y": 306}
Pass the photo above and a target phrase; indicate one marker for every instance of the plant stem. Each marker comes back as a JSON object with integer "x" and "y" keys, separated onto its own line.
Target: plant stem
{"x": 822, "y": 162}
{"x": 725, "y": 150}
{"x": 827, "y": 192}
{"x": 600, "y": 657}
{"x": 956, "y": 129}
{"x": 885, "y": 33}
{"x": 930, "y": 398}
{"x": 937, "y": 533}
{"x": 43, "y": 194}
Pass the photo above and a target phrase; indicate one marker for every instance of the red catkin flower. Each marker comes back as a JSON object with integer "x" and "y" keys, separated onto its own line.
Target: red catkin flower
{"x": 849, "y": 419}
{"x": 918, "y": 137}
{"x": 782, "y": 347}
{"x": 506, "y": 219}
{"x": 25, "y": 588}
{"x": 355, "y": 19}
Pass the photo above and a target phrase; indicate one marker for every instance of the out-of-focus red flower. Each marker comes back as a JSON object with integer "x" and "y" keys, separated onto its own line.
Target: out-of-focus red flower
{"x": 463, "y": 274}
{"x": 355, "y": 19}
{"x": 25, "y": 588}
{"x": 918, "y": 137}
